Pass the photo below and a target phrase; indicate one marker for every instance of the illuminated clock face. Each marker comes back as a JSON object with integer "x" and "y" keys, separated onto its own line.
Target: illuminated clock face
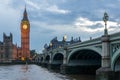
{"x": 24, "y": 26}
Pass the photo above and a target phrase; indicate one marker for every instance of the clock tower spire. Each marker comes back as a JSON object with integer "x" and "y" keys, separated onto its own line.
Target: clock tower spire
{"x": 25, "y": 36}
{"x": 25, "y": 17}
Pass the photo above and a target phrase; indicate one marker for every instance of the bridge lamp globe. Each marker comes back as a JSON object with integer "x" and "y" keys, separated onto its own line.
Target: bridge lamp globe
{"x": 65, "y": 37}
{"x": 50, "y": 44}
{"x": 105, "y": 18}
{"x": 59, "y": 46}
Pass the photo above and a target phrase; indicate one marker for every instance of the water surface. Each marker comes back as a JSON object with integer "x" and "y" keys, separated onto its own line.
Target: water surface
{"x": 34, "y": 72}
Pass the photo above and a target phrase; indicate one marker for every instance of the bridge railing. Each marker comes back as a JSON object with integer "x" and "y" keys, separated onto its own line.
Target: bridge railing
{"x": 86, "y": 43}
{"x": 115, "y": 37}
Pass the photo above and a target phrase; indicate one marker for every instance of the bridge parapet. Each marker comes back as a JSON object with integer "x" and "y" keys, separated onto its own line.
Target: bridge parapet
{"x": 96, "y": 41}
{"x": 58, "y": 49}
{"x": 115, "y": 37}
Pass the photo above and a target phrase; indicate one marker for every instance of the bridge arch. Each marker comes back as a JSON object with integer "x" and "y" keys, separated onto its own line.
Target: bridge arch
{"x": 38, "y": 59}
{"x": 41, "y": 59}
{"x": 57, "y": 58}
{"x": 115, "y": 63}
{"x": 47, "y": 58}
{"x": 86, "y": 60}
{"x": 97, "y": 50}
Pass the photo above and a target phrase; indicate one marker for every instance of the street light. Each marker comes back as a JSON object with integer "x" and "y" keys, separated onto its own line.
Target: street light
{"x": 65, "y": 37}
{"x": 50, "y": 44}
{"x": 105, "y": 19}
{"x": 65, "y": 55}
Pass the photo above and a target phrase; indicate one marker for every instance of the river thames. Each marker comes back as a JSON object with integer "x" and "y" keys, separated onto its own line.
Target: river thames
{"x": 34, "y": 72}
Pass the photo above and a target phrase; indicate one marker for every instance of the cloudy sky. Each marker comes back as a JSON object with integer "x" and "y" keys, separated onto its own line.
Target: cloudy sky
{"x": 51, "y": 18}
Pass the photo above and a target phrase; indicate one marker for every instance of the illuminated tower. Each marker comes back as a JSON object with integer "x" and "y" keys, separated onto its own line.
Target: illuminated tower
{"x": 25, "y": 36}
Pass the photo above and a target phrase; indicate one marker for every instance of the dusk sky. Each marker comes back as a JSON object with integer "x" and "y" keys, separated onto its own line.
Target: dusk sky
{"x": 55, "y": 18}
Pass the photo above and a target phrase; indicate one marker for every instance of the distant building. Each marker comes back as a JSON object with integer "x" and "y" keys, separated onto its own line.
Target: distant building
{"x": 25, "y": 36}
{"x": 7, "y": 48}
{"x": 9, "y": 51}
{"x": 54, "y": 43}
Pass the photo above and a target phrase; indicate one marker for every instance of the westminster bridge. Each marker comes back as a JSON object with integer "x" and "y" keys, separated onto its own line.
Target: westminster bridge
{"x": 102, "y": 51}
{"x": 100, "y": 55}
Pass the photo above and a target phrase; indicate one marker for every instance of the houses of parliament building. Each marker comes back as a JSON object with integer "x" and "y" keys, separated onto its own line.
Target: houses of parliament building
{"x": 10, "y": 51}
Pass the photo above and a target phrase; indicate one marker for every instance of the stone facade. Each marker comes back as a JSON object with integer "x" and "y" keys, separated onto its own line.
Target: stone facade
{"x": 55, "y": 43}
{"x": 25, "y": 36}
{"x": 8, "y": 51}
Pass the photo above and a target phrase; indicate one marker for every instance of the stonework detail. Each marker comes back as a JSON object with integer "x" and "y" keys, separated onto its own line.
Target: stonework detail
{"x": 25, "y": 35}
{"x": 115, "y": 47}
{"x": 10, "y": 51}
{"x": 7, "y": 49}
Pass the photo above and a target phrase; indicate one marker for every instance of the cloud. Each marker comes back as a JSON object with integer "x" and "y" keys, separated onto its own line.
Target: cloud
{"x": 9, "y": 21}
{"x": 55, "y": 9}
{"x": 46, "y": 6}
{"x": 87, "y": 25}
{"x": 32, "y": 4}
{"x": 50, "y": 18}
{"x": 43, "y": 28}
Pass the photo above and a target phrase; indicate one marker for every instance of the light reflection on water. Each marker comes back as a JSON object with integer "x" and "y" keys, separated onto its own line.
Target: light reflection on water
{"x": 34, "y": 72}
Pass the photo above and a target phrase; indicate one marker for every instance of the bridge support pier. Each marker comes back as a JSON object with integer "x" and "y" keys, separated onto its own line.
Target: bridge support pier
{"x": 105, "y": 72}
{"x": 64, "y": 69}
{"x": 55, "y": 67}
{"x": 50, "y": 67}
{"x": 64, "y": 66}
{"x": 78, "y": 69}
{"x": 44, "y": 64}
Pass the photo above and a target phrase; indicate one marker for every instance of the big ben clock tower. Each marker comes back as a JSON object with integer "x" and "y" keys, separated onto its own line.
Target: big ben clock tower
{"x": 25, "y": 36}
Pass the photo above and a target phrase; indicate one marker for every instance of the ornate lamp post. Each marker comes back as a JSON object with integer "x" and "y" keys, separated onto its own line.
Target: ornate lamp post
{"x": 63, "y": 68}
{"x": 65, "y": 48}
{"x": 105, "y": 19}
{"x": 105, "y": 72}
{"x": 65, "y": 37}
{"x": 50, "y": 45}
